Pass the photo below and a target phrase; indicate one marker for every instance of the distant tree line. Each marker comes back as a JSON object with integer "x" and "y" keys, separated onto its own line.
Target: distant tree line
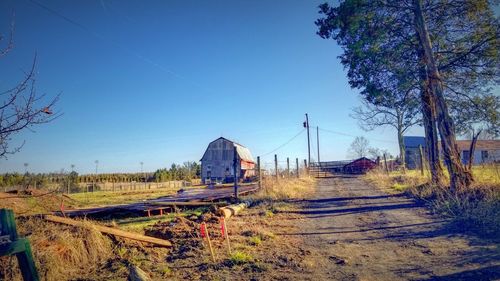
{"x": 186, "y": 171}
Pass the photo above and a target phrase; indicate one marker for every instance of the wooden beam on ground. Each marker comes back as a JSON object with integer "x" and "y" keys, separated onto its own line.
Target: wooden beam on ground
{"x": 187, "y": 203}
{"x": 109, "y": 230}
{"x": 232, "y": 210}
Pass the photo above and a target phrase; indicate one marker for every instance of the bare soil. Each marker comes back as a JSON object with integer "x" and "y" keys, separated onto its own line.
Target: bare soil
{"x": 358, "y": 232}
{"x": 348, "y": 230}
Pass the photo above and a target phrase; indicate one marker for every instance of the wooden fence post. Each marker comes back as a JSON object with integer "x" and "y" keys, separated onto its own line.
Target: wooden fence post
{"x": 297, "y": 167}
{"x": 421, "y": 160}
{"x": 305, "y": 167}
{"x": 276, "y": 166}
{"x": 288, "y": 166}
{"x": 385, "y": 162}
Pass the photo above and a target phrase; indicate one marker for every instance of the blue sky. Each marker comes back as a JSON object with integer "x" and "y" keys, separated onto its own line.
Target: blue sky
{"x": 157, "y": 81}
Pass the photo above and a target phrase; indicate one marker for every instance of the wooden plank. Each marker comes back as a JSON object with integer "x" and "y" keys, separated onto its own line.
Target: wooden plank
{"x": 109, "y": 230}
{"x": 186, "y": 203}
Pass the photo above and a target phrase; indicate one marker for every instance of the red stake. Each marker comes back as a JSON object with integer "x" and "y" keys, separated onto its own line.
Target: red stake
{"x": 225, "y": 235}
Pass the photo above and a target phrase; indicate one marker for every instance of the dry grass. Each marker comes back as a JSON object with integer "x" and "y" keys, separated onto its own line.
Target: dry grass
{"x": 397, "y": 180}
{"x": 60, "y": 252}
{"x": 484, "y": 175}
{"x": 285, "y": 189}
{"x": 476, "y": 209}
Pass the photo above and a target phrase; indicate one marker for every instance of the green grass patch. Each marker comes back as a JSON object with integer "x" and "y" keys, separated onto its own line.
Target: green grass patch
{"x": 255, "y": 240}
{"x": 239, "y": 258}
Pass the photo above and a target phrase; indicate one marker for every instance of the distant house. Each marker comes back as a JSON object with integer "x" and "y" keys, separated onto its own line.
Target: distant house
{"x": 359, "y": 166}
{"x": 217, "y": 162}
{"x": 487, "y": 151}
{"x": 412, "y": 150}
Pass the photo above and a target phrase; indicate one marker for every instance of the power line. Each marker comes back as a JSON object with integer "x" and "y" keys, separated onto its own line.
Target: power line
{"x": 287, "y": 142}
{"x": 114, "y": 43}
{"x": 349, "y": 135}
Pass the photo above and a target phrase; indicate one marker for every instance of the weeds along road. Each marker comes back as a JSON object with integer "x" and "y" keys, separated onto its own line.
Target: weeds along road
{"x": 355, "y": 231}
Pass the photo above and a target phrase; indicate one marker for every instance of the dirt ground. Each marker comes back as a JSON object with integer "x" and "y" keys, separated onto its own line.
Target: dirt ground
{"x": 346, "y": 230}
{"x": 355, "y": 231}
{"x": 349, "y": 230}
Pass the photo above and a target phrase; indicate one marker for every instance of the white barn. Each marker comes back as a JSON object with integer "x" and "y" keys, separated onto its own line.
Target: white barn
{"x": 217, "y": 162}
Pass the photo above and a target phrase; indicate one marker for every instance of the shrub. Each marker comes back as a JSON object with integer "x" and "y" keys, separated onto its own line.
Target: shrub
{"x": 238, "y": 258}
{"x": 255, "y": 240}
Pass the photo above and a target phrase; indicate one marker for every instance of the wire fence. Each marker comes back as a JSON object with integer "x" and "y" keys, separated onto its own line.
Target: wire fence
{"x": 70, "y": 188}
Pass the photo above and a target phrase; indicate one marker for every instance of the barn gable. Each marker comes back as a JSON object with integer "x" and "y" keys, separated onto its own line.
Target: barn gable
{"x": 218, "y": 161}
{"x": 225, "y": 144}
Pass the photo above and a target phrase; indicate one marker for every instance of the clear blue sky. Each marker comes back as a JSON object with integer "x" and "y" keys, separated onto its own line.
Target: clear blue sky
{"x": 157, "y": 81}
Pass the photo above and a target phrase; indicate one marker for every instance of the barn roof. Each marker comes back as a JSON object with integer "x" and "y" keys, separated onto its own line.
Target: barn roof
{"x": 243, "y": 152}
{"x": 361, "y": 161}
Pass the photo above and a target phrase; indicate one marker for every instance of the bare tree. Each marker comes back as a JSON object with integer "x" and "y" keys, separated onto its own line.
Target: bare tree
{"x": 401, "y": 115}
{"x": 21, "y": 107}
{"x": 359, "y": 147}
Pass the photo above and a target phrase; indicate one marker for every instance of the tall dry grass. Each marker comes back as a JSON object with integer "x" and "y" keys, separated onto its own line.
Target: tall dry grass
{"x": 285, "y": 188}
{"x": 476, "y": 209}
{"x": 60, "y": 252}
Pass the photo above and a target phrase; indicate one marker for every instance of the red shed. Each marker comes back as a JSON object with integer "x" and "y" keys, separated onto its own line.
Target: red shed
{"x": 359, "y": 166}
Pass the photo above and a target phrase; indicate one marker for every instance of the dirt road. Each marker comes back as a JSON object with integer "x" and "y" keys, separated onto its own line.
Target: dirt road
{"x": 355, "y": 231}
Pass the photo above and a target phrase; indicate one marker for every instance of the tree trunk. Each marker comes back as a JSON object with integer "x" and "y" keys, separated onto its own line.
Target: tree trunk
{"x": 401, "y": 148}
{"x": 460, "y": 177}
{"x": 431, "y": 138}
{"x": 472, "y": 149}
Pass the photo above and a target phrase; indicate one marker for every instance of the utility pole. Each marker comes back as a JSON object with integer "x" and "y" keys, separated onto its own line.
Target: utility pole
{"x": 142, "y": 173}
{"x": 317, "y": 138}
{"x": 259, "y": 175}
{"x": 235, "y": 171}
{"x": 306, "y": 125}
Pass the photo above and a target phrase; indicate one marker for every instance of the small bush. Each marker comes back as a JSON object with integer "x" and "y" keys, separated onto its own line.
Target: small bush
{"x": 255, "y": 240}
{"x": 239, "y": 258}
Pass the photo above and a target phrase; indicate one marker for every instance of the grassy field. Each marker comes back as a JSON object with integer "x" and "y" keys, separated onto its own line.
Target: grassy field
{"x": 284, "y": 189}
{"x": 483, "y": 175}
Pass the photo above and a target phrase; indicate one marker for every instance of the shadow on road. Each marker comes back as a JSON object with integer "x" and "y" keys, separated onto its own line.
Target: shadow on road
{"x": 355, "y": 210}
{"x": 480, "y": 274}
{"x": 336, "y": 199}
{"x": 364, "y": 229}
